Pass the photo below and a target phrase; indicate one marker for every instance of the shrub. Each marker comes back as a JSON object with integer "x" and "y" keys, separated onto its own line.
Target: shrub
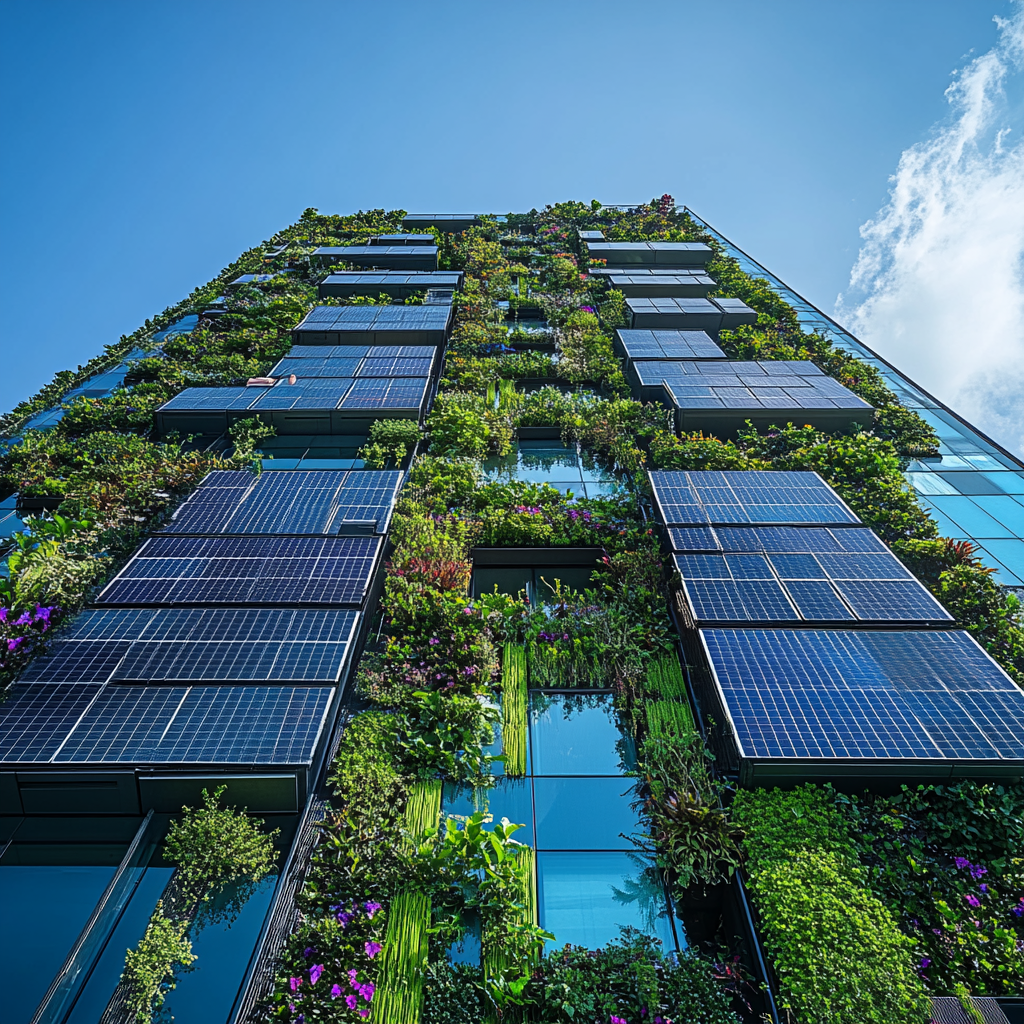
{"x": 836, "y": 949}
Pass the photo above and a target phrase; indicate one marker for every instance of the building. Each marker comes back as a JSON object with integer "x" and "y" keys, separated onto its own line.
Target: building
{"x": 224, "y": 650}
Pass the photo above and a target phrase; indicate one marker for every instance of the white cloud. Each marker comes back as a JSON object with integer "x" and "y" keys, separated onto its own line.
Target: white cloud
{"x": 938, "y": 287}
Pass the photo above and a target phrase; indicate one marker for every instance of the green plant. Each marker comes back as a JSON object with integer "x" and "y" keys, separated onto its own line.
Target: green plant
{"x": 399, "y": 998}
{"x": 837, "y": 951}
{"x": 389, "y": 440}
{"x": 665, "y": 678}
{"x": 246, "y": 435}
{"x": 149, "y": 968}
{"x": 212, "y": 844}
{"x": 514, "y": 709}
{"x": 669, "y": 719}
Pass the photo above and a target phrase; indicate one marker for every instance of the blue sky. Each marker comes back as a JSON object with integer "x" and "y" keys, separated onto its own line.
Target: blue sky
{"x": 146, "y": 145}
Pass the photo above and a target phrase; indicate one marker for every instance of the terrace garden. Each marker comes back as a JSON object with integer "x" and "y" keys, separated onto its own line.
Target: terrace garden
{"x": 864, "y": 903}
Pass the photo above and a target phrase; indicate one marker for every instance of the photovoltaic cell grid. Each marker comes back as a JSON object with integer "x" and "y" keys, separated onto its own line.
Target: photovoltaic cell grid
{"x": 361, "y": 351}
{"x": 805, "y": 587}
{"x": 301, "y": 502}
{"x": 300, "y": 570}
{"x": 668, "y": 345}
{"x": 839, "y": 694}
{"x": 376, "y": 318}
{"x": 754, "y": 497}
{"x": 809, "y": 574}
{"x": 747, "y": 385}
{"x": 221, "y": 645}
{"x": 401, "y": 364}
{"x": 162, "y": 725}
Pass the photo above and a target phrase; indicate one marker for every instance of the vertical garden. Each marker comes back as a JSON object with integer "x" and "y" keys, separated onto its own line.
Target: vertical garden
{"x": 865, "y": 903}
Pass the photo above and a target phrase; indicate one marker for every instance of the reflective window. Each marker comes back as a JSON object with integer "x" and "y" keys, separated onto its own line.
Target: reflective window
{"x": 576, "y": 734}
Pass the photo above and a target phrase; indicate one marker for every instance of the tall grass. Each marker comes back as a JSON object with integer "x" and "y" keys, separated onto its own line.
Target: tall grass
{"x": 498, "y": 959}
{"x": 669, "y": 718}
{"x": 514, "y": 709}
{"x": 665, "y": 678}
{"x": 399, "y": 996}
{"x": 423, "y": 807}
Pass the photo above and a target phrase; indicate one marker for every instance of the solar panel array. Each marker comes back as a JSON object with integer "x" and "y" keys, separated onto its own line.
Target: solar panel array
{"x": 175, "y": 725}
{"x": 753, "y": 497}
{"x": 667, "y": 345}
{"x": 334, "y": 325}
{"x": 682, "y": 285}
{"x": 689, "y": 313}
{"x": 775, "y": 575}
{"x": 404, "y": 394}
{"x": 246, "y": 570}
{"x": 302, "y": 502}
{"x": 848, "y": 694}
{"x": 727, "y": 384}
{"x": 395, "y": 283}
{"x": 666, "y": 254}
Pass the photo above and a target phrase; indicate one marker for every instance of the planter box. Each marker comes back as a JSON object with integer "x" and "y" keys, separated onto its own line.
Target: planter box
{"x": 536, "y": 556}
{"x": 47, "y": 503}
{"x": 539, "y": 433}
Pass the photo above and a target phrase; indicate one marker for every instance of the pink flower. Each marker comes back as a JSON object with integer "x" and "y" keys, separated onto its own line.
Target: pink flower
{"x": 295, "y": 983}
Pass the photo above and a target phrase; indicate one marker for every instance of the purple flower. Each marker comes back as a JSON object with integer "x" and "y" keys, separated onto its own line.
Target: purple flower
{"x": 308, "y": 952}
{"x": 977, "y": 871}
{"x": 3, "y": 614}
{"x": 961, "y": 862}
{"x": 367, "y": 990}
{"x": 433, "y": 641}
{"x": 372, "y": 908}
{"x": 18, "y": 641}
{"x": 983, "y": 887}
{"x": 364, "y": 1013}
{"x": 1018, "y": 911}
{"x": 23, "y": 620}
{"x": 925, "y": 962}
{"x": 352, "y": 977}
{"x": 372, "y": 949}
{"x": 314, "y": 973}
{"x": 351, "y": 1002}
{"x": 616, "y": 1020}
{"x": 973, "y": 900}
{"x": 335, "y": 991}
{"x": 295, "y": 983}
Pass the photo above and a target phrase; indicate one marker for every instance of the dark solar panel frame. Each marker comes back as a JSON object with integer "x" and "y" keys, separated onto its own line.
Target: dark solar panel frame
{"x": 847, "y": 696}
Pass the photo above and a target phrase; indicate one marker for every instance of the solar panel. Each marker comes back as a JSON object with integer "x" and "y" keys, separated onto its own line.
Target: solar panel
{"x": 825, "y": 582}
{"x": 865, "y": 695}
{"x": 263, "y": 571}
{"x": 765, "y": 496}
{"x": 738, "y": 601}
{"x": 199, "y": 725}
{"x": 35, "y": 719}
{"x": 77, "y": 661}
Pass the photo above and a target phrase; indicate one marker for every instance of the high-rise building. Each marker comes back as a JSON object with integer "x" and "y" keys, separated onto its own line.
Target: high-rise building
{"x": 412, "y": 528}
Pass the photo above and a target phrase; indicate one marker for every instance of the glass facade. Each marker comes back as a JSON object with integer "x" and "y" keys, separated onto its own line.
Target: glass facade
{"x": 974, "y": 489}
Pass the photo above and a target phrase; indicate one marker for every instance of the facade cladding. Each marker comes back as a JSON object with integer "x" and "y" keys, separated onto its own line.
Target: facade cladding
{"x": 220, "y": 652}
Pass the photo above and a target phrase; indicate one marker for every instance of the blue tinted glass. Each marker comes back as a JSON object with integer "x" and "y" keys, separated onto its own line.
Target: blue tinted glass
{"x": 508, "y": 798}
{"x": 947, "y": 528}
{"x": 584, "y": 814}
{"x": 586, "y": 898}
{"x": 1008, "y": 483}
{"x": 1010, "y": 553}
{"x": 1005, "y": 509}
{"x": 575, "y": 734}
{"x": 966, "y": 514}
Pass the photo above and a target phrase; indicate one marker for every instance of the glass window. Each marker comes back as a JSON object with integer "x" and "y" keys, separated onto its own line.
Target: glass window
{"x": 584, "y": 814}
{"x": 1008, "y": 483}
{"x": 967, "y": 483}
{"x": 576, "y": 734}
{"x": 1004, "y": 509}
{"x": 947, "y": 528}
{"x": 931, "y": 483}
{"x": 1011, "y": 554}
{"x": 508, "y": 798}
{"x": 969, "y": 516}
{"x": 586, "y": 898}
